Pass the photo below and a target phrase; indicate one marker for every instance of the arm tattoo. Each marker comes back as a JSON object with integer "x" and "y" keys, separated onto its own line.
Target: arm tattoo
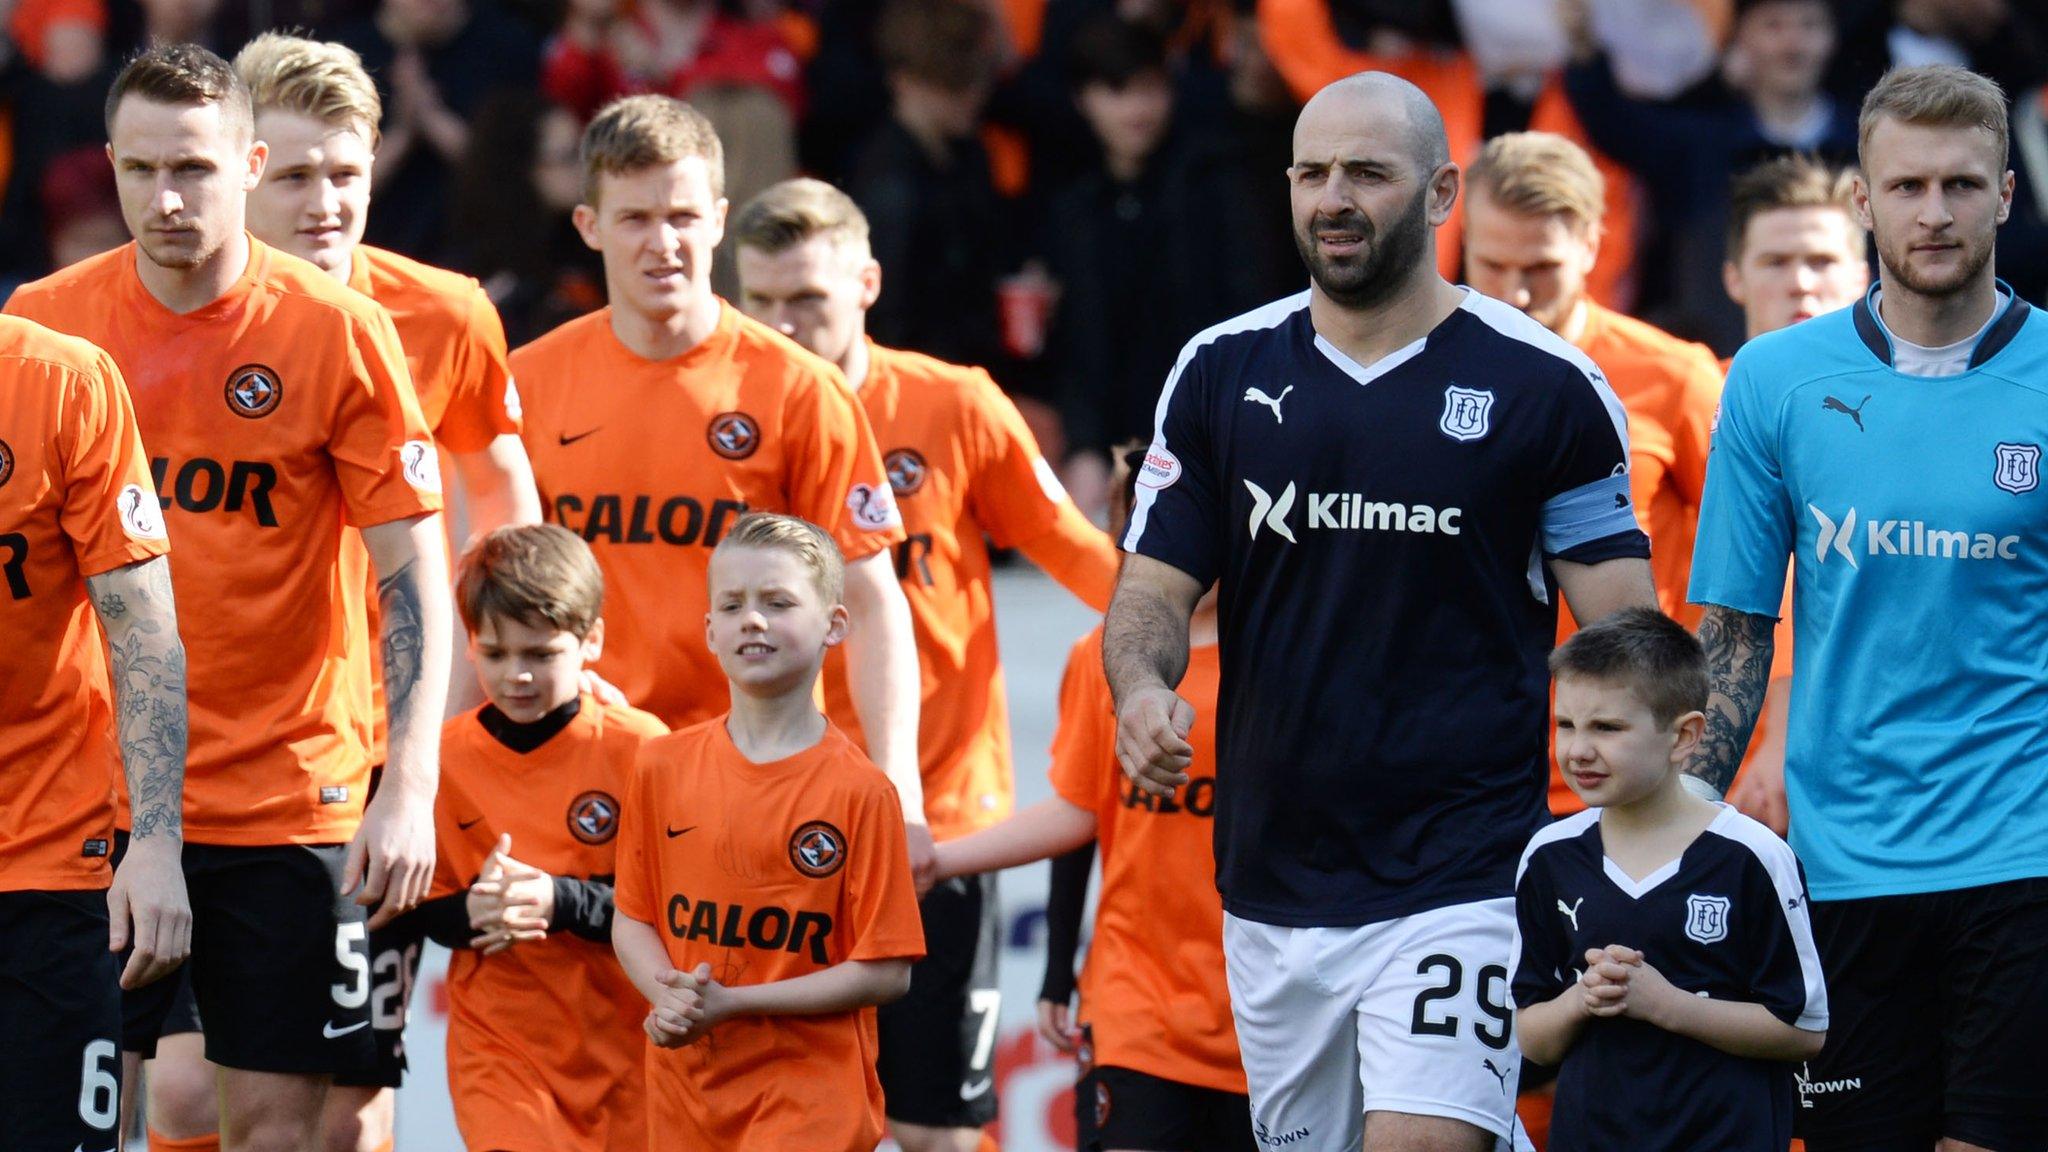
{"x": 1143, "y": 639}
{"x": 1738, "y": 648}
{"x": 403, "y": 641}
{"x": 148, "y": 671}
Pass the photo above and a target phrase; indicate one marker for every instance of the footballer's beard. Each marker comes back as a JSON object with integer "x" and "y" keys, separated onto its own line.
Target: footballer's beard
{"x": 188, "y": 251}
{"x": 1898, "y": 260}
{"x": 1389, "y": 258}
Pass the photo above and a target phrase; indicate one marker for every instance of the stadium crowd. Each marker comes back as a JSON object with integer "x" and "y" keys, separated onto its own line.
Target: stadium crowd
{"x": 1004, "y": 224}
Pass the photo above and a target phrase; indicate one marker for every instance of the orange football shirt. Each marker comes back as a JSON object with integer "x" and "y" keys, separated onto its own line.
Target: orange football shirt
{"x": 1153, "y": 991}
{"x": 964, "y": 470}
{"x": 75, "y": 501}
{"x": 275, "y": 416}
{"x": 516, "y": 1084}
{"x": 767, "y": 872}
{"x": 455, "y": 354}
{"x": 652, "y": 462}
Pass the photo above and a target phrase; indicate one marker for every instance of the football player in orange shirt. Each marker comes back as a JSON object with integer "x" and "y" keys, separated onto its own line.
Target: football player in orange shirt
{"x": 1795, "y": 250}
{"x": 765, "y": 903}
{"x": 280, "y": 408}
{"x": 655, "y": 423}
{"x": 1160, "y": 1066}
{"x": 318, "y": 111}
{"x": 964, "y": 467}
{"x": 79, "y": 525}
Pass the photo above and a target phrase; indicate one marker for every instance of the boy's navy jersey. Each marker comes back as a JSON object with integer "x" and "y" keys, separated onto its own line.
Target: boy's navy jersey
{"x": 1727, "y": 919}
{"x": 1380, "y": 536}
{"x": 1916, "y": 759}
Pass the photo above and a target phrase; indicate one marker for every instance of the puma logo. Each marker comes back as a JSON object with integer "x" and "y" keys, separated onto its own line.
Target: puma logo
{"x": 1572, "y": 913}
{"x": 1833, "y": 405}
{"x": 1273, "y": 402}
{"x": 1499, "y": 1073}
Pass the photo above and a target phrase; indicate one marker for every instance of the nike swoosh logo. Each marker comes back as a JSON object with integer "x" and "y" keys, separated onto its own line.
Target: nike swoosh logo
{"x": 332, "y": 1033}
{"x": 466, "y": 825}
{"x": 675, "y": 832}
{"x": 976, "y": 1091}
{"x": 568, "y": 440}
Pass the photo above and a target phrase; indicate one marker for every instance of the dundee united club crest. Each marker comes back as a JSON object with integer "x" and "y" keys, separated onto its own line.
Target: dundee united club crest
{"x": 817, "y": 849}
{"x": 1466, "y": 413}
{"x": 254, "y": 390}
{"x": 2019, "y": 468}
{"x": 594, "y": 817}
{"x": 734, "y": 435}
{"x": 906, "y": 470}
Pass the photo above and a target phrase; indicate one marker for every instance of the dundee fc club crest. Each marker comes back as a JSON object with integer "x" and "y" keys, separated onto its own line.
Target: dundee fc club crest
{"x": 2019, "y": 468}
{"x": 1466, "y": 413}
{"x": 1706, "y": 918}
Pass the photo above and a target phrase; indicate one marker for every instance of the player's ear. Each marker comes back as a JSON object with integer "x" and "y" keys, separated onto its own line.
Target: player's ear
{"x": 1687, "y": 731}
{"x": 870, "y": 283}
{"x": 585, "y": 218}
{"x": 718, "y": 214}
{"x": 1859, "y": 200}
{"x": 593, "y": 641}
{"x": 838, "y": 622}
{"x": 259, "y": 155}
{"x": 1444, "y": 184}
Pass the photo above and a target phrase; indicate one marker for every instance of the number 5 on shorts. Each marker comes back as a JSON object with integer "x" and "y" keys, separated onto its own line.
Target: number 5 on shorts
{"x": 352, "y": 952}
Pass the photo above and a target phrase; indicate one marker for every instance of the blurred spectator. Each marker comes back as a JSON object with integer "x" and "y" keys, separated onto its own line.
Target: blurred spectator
{"x": 436, "y": 62}
{"x": 141, "y": 23}
{"x": 80, "y": 207}
{"x": 514, "y": 195}
{"x": 609, "y": 48}
{"x": 923, "y": 180}
{"x": 1145, "y": 246}
{"x": 2023, "y": 241}
{"x": 1769, "y": 102}
{"x": 2006, "y": 40}
{"x": 64, "y": 40}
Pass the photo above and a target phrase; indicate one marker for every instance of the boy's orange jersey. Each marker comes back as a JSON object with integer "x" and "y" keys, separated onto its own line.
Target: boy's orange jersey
{"x": 517, "y": 1085}
{"x": 275, "y": 416}
{"x": 963, "y": 466}
{"x": 767, "y": 872}
{"x": 652, "y": 462}
{"x": 1152, "y": 990}
{"x": 75, "y": 501}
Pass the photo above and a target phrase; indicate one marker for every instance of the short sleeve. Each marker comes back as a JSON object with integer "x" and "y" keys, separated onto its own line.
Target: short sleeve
{"x": 1588, "y": 512}
{"x": 1084, "y": 742}
{"x": 1778, "y": 936}
{"x": 1178, "y": 513}
{"x": 634, "y": 893}
{"x": 483, "y": 403}
{"x": 110, "y": 511}
{"x": 383, "y": 454}
{"x": 836, "y": 479}
{"x": 1746, "y": 523}
{"x": 881, "y": 899}
{"x": 1542, "y": 963}
{"x": 1013, "y": 494}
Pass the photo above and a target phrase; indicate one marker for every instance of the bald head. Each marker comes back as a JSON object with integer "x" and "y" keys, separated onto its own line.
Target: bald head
{"x": 1377, "y": 98}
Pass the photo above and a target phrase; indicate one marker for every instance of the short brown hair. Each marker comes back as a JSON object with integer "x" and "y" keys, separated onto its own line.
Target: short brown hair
{"x": 541, "y": 575}
{"x": 773, "y": 532}
{"x": 1786, "y": 182}
{"x": 635, "y": 133}
{"x": 785, "y": 215}
{"x": 1644, "y": 651}
{"x": 315, "y": 78}
{"x": 949, "y": 44}
{"x": 1937, "y": 95}
{"x": 1540, "y": 174}
{"x": 183, "y": 74}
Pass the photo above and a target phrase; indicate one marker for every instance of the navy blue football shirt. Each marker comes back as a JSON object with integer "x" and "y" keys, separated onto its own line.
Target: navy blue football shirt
{"x": 1727, "y": 919}
{"x": 1380, "y": 537}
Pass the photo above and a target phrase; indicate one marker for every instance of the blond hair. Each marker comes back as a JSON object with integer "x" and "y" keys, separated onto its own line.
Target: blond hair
{"x": 1938, "y": 95}
{"x": 1540, "y": 174}
{"x": 315, "y": 78}
{"x": 1787, "y": 182}
{"x": 542, "y": 575}
{"x": 785, "y": 215}
{"x": 635, "y": 133}
{"x": 773, "y": 532}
